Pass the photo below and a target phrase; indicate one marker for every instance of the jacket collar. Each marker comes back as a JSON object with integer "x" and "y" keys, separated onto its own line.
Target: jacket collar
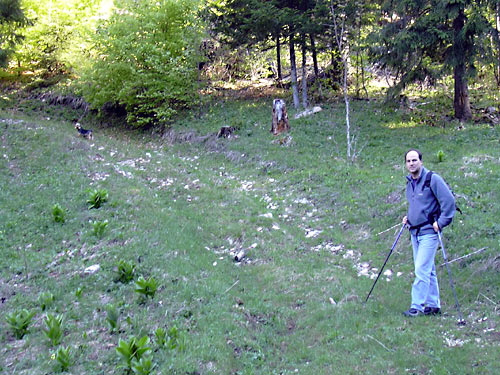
{"x": 423, "y": 172}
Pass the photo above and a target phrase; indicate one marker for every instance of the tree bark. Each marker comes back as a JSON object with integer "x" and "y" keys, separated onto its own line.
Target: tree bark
{"x": 304, "y": 73}
{"x": 280, "y": 122}
{"x": 278, "y": 58}
{"x": 293, "y": 67}
{"x": 461, "y": 102}
{"x": 497, "y": 19}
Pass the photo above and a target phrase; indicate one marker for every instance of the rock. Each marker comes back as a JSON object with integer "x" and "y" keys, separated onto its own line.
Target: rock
{"x": 92, "y": 269}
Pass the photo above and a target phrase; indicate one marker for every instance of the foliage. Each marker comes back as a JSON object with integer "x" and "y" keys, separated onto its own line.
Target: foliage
{"x": 64, "y": 358}
{"x": 125, "y": 271}
{"x": 53, "y": 42}
{"x": 112, "y": 316}
{"x": 145, "y": 59}
{"x": 12, "y": 18}
{"x": 53, "y": 328}
{"x": 133, "y": 350}
{"x": 99, "y": 227}
{"x": 146, "y": 287}
{"x": 96, "y": 198}
{"x": 45, "y": 299}
{"x": 422, "y": 41}
{"x": 440, "y": 156}
{"x": 142, "y": 366}
{"x": 58, "y": 213}
{"x": 19, "y": 321}
{"x": 172, "y": 339}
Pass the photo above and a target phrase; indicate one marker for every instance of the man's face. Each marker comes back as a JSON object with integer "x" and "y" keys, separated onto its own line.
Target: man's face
{"x": 413, "y": 163}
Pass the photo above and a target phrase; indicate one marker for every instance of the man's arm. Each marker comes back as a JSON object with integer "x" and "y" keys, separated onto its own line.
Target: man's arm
{"x": 446, "y": 202}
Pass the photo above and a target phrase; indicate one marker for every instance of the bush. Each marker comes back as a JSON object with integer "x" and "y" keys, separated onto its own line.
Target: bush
{"x": 145, "y": 60}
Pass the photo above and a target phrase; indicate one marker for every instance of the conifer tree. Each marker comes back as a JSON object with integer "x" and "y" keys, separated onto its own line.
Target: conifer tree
{"x": 420, "y": 38}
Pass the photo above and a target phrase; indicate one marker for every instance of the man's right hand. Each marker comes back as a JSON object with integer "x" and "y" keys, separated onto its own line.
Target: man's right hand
{"x": 405, "y": 220}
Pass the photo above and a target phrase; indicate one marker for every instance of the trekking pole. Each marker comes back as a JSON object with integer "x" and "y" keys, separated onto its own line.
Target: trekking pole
{"x": 461, "y": 321}
{"x": 386, "y": 259}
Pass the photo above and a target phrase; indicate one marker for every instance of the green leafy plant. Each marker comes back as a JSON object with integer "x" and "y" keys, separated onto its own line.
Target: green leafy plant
{"x": 125, "y": 271}
{"x": 63, "y": 358}
{"x": 440, "y": 155}
{"x": 112, "y": 316}
{"x": 58, "y": 213}
{"x": 146, "y": 287}
{"x": 96, "y": 198}
{"x": 54, "y": 328}
{"x": 99, "y": 228}
{"x": 79, "y": 293}
{"x": 173, "y": 339}
{"x": 45, "y": 299}
{"x": 142, "y": 366}
{"x": 19, "y": 321}
{"x": 131, "y": 350}
{"x": 161, "y": 337}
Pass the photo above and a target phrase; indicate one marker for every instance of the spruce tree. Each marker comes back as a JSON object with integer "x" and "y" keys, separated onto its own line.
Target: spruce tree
{"x": 425, "y": 39}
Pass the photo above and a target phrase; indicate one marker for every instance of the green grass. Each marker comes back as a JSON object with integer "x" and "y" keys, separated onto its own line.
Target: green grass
{"x": 179, "y": 211}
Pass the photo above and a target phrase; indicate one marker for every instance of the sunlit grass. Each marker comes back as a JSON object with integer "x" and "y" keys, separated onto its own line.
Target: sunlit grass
{"x": 305, "y": 216}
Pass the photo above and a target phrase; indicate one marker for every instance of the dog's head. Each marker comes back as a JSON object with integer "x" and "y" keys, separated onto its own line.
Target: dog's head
{"x": 78, "y": 126}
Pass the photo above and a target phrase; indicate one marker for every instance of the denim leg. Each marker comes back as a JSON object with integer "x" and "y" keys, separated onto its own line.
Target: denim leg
{"x": 425, "y": 289}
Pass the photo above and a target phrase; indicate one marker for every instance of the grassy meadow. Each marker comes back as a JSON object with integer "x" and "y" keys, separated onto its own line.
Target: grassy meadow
{"x": 156, "y": 259}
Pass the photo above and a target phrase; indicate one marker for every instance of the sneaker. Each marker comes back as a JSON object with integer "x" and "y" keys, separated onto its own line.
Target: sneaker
{"x": 412, "y": 312}
{"x": 432, "y": 311}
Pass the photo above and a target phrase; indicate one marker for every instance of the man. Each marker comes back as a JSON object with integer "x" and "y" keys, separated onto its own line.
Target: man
{"x": 431, "y": 207}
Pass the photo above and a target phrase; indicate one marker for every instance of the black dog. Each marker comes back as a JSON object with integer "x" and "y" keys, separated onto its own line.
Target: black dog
{"x": 84, "y": 132}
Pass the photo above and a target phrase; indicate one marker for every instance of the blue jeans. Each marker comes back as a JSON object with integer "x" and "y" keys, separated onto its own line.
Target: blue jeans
{"x": 425, "y": 289}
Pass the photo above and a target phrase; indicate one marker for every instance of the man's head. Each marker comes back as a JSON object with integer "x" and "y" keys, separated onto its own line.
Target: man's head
{"x": 413, "y": 161}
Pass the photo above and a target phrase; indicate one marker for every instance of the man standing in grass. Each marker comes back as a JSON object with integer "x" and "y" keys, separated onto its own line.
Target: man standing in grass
{"x": 431, "y": 207}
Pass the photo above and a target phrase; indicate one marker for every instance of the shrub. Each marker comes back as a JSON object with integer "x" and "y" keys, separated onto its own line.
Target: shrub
{"x": 145, "y": 60}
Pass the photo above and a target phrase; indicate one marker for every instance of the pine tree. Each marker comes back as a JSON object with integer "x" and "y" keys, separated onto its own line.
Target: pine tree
{"x": 420, "y": 37}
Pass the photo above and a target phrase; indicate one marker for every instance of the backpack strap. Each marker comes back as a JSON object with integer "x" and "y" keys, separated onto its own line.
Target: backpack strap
{"x": 434, "y": 215}
{"x": 427, "y": 182}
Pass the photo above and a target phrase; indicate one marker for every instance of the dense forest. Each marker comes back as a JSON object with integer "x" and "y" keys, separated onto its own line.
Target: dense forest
{"x": 154, "y": 58}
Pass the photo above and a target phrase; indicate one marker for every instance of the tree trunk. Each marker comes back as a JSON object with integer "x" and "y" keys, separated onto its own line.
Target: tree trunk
{"x": 314, "y": 56}
{"x": 278, "y": 58}
{"x": 497, "y": 19}
{"x": 461, "y": 101}
{"x": 280, "y": 122}
{"x": 315, "y": 64}
{"x": 293, "y": 67}
{"x": 304, "y": 72}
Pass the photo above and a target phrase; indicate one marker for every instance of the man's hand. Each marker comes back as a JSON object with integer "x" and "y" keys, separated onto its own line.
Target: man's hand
{"x": 405, "y": 220}
{"x": 436, "y": 226}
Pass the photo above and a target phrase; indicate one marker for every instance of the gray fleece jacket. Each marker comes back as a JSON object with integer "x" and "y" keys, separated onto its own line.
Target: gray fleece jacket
{"x": 424, "y": 203}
